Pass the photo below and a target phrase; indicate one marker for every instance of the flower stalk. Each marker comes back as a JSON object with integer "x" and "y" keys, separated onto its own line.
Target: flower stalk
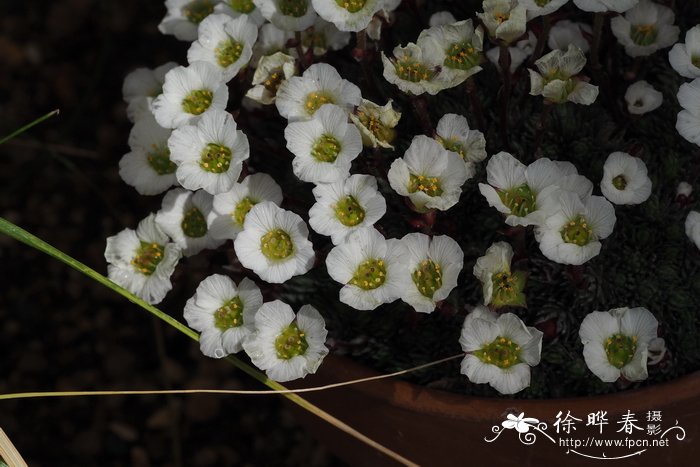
{"x": 546, "y": 25}
{"x": 504, "y": 93}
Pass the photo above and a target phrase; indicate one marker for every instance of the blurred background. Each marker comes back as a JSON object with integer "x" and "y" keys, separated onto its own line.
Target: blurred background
{"x": 59, "y": 330}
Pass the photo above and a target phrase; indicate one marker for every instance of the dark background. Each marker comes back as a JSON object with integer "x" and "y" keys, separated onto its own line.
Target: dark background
{"x": 59, "y": 330}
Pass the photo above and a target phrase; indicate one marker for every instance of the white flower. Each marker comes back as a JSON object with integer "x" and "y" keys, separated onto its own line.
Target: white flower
{"x": 688, "y": 122}
{"x": 504, "y": 19}
{"x": 572, "y": 234}
{"x": 183, "y": 16}
{"x": 567, "y": 32}
{"x": 271, "y": 72}
{"x": 457, "y": 47}
{"x": 692, "y": 227}
{"x": 370, "y": 267}
{"x": 645, "y": 29}
{"x": 605, "y": 5}
{"x": 348, "y": 15}
{"x": 413, "y": 71}
{"x": 323, "y": 36}
{"x": 237, "y": 8}
{"x": 440, "y": 18}
{"x": 656, "y": 351}
{"x": 684, "y": 189}
{"x": 140, "y": 87}
{"x": 324, "y": 147}
{"x": 525, "y": 193}
{"x": 431, "y": 270}
{"x": 345, "y": 206}
{"x": 186, "y": 217}
{"x": 142, "y": 261}
{"x": 290, "y": 15}
{"x": 189, "y": 92}
{"x": 500, "y": 286}
{"x": 556, "y": 80}
{"x": 148, "y": 167}
{"x": 230, "y": 208}
{"x": 300, "y": 97}
{"x": 625, "y": 179}
{"x": 274, "y": 243}
{"x": 224, "y": 42}
{"x": 223, "y": 313}
{"x": 518, "y": 53}
{"x": 376, "y": 123}
{"x": 210, "y": 153}
{"x": 271, "y": 39}
{"x": 454, "y": 134}
{"x": 685, "y": 58}
{"x": 500, "y": 350}
{"x": 537, "y": 8}
{"x": 431, "y": 176}
{"x": 385, "y": 16}
{"x": 641, "y": 98}
{"x": 616, "y": 342}
{"x": 287, "y": 346}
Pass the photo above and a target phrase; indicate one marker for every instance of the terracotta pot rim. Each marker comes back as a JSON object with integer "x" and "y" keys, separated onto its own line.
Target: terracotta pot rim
{"x": 421, "y": 399}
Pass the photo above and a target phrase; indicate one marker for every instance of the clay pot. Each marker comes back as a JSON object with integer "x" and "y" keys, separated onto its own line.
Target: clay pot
{"x": 435, "y": 428}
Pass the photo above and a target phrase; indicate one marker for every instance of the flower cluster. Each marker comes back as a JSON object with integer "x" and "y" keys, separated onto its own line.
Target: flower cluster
{"x": 358, "y": 164}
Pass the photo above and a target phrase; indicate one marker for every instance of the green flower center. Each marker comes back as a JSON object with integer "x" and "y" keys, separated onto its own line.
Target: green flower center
{"x": 643, "y": 34}
{"x": 147, "y": 258}
{"x": 230, "y": 315}
{"x": 315, "y": 39}
{"x": 194, "y": 224}
{"x": 291, "y": 343}
{"x": 410, "y": 70}
{"x": 428, "y": 185}
{"x": 541, "y": 3}
{"x": 242, "y": 6}
{"x": 520, "y": 200}
{"x": 215, "y": 158}
{"x": 241, "y": 210}
{"x": 502, "y": 352}
{"x": 500, "y": 17}
{"x": 619, "y": 182}
{"x": 462, "y": 56}
{"x": 273, "y": 81}
{"x": 577, "y": 231}
{"x": 326, "y": 149}
{"x": 197, "y": 10}
{"x": 159, "y": 160}
{"x": 276, "y": 245}
{"x": 620, "y": 349}
{"x": 228, "y": 52}
{"x": 314, "y": 101}
{"x": 376, "y": 127}
{"x": 353, "y": 6}
{"x": 349, "y": 212}
{"x": 503, "y": 282}
{"x": 452, "y": 144}
{"x": 197, "y": 101}
{"x": 369, "y": 275}
{"x": 507, "y": 289}
{"x": 427, "y": 277}
{"x": 295, "y": 8}
{"x": 695, "y": 60}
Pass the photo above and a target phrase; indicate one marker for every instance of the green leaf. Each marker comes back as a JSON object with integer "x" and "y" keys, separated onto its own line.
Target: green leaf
{"x": 26, "y": 127}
